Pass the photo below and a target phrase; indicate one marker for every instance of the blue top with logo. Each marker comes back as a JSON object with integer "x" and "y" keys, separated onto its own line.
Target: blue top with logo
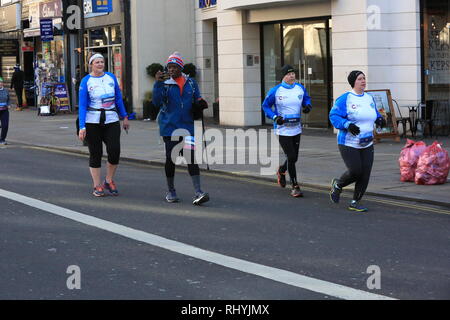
{"x": 287, "y": 101}
{"x": 100, "y": 93}
{"x": 359, "y": 110}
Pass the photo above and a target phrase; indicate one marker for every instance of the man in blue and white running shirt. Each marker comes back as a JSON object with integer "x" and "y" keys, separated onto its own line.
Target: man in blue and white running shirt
{"x": 288, "y": 98}
{"x": 354, "y": 114}
{"x": 99, "y": 108}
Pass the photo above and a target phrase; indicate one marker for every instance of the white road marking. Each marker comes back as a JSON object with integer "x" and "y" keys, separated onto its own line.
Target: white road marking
{"x": 279, "y": 275}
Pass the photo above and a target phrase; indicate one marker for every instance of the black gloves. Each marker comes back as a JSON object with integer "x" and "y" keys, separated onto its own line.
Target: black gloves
{"x": 307, "y": 108}
{"x": 279, "y": 120}
{"x": 381, "y": 122}
{"x": 354, "y": 129}
{"x": 197, "y": 109}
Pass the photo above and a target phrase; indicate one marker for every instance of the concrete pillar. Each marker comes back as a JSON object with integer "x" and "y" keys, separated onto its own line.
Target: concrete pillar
{"x": 381, "y": 38}
{"x": 239, "y": 84}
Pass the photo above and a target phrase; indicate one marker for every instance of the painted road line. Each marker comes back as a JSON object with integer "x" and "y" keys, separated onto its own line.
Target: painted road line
{"x": 279, "y": 275}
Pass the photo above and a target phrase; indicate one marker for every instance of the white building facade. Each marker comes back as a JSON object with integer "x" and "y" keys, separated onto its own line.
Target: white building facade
{"x": 241, "y": 45}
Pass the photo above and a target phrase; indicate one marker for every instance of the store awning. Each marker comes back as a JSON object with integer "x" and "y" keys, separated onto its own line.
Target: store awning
{"x": 31, "y": 32}
{"x": 254, "y": 4}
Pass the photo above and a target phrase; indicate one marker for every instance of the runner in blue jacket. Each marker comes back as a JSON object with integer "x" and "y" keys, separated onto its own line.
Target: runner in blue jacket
{"x": 175, "y": 97}
{"x": 354, "y": 115}
{"x": 289, "y": 99}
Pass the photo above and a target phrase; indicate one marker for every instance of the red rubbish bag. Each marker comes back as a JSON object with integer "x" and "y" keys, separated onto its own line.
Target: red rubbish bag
{"x": 433, "y": 166}
{"x": 409, "y": 156}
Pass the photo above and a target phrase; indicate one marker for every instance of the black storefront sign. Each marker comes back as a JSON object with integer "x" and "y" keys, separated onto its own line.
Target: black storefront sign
{"x": 9, "y": 47}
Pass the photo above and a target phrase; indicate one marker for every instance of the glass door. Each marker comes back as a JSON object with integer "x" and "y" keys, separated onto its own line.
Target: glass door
{"x": 305, "y": 45}
{"x": 306, "y": 49}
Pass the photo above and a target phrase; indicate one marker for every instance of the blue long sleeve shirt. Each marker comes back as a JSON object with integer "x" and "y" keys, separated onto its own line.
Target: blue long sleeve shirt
{"x": 100, "y": 93}
{"x": 359, "y": 110}
{"x": 287, "y": 101}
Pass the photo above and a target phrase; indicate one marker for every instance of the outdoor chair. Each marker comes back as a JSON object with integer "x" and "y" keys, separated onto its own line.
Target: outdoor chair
{"x": 403, "y": 120}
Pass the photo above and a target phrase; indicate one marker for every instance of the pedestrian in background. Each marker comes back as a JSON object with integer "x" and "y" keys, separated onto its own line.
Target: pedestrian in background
{"x": 4, "y": 112}
{"x": 354, "y": 114}
{"x": 288, "y": 99}
{"x": 17, "y": 82}
{"x": 100, "y": 105}
{"x": 178, "y": 95}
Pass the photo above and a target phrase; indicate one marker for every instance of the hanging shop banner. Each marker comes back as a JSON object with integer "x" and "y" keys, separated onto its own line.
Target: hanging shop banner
{"x": 46, "y": 30}
{"x": 203, "y": 4}
{"x": 33, "y": 15}
{"x": 88, "y": 10}
{"x": 10, "y": 18}
{"x": 51, "y": 9}
{"x": 102, "y": 6}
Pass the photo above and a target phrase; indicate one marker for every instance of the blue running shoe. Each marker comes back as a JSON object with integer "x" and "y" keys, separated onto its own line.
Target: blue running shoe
{"x": 98, "y": 191}
{"x": 111, "y": 187}
{"x": 200, "y": 197}
{"x": 171, "y": 197}
{"x": 335, "y": 192}
{"x": 355, "y": 207}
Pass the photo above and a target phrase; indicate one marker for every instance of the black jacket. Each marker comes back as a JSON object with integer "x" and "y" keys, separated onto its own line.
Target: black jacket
{"x": 17, "y": 79}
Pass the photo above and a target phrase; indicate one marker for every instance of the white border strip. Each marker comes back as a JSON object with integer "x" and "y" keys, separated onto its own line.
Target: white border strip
{"x": 279, "y": 275}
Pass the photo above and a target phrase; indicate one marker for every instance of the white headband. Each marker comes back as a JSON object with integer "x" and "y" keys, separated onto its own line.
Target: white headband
{"x": 96, "y": 56}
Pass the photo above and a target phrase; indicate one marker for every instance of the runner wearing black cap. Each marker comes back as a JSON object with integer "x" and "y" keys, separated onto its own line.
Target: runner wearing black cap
{"x": 284, "y": 105}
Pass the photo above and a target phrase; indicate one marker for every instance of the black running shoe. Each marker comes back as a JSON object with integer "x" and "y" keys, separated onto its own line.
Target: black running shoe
{"x": 200, "y": 197}
{"x": 354, "y": 206}
{"x": 335, "y": 192}
{"x": 281, "y": 178}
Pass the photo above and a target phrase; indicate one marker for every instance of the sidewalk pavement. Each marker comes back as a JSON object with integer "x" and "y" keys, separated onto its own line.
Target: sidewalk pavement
{"x": 319, "y": 159}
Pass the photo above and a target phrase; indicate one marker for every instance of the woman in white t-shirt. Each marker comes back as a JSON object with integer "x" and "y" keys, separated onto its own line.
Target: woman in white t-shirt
{"x": 354, "y": 114}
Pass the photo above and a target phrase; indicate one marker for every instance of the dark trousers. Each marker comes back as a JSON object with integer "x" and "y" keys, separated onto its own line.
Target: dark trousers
{"x": 4, "y": 117}
{"x": 96, "y": 135}
{"x": 193, "y": 168}
{"x": 359, "y": 164}
{"x": 291, "y": 147}
{"x": 19, "y": 92}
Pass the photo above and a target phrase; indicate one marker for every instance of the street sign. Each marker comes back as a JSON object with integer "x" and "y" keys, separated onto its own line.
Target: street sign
{"x": 102, "y": 6}
{"x": 203, "y": 4}
{"x": 46, "y": 30}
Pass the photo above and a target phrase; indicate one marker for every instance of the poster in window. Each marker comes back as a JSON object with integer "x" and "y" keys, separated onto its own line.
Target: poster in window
{"x": 383, "y": 103}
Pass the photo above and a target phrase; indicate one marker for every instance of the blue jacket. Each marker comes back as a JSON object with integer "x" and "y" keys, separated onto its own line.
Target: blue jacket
{"x": 4, "y": 99}
{"x": 175, "y": 109}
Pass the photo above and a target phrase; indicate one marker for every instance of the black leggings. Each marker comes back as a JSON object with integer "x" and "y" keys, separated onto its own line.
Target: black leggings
{"x": 96, "y": 135}
{"x": 290, "y": 146}
{"x": 193, "y": 168}
{"x": 19, "y": 92}
{"x": 359, "y": 164}
{"x": 4, "y": 117}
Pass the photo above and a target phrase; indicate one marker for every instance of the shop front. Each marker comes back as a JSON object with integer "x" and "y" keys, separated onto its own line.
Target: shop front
{"x": 305, "y": 45}
{"x": 436, "y": 64}
{"x": 9, "y": 44}
{"x": 108, "y": 42}
{"x": 44, "y": 56}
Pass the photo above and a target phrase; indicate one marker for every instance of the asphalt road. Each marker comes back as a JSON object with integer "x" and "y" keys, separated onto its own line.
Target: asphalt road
{"x": 317, "y": 249}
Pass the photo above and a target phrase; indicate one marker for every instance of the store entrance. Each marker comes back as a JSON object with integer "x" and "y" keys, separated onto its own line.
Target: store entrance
{"x": 306, "y": 47}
